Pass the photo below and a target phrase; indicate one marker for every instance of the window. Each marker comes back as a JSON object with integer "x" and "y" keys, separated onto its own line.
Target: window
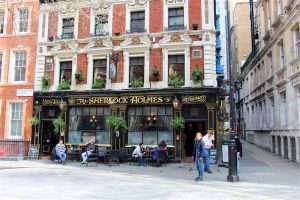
{"x": 298, "y": 105}
{"x": 272, "y": 110}
{"x": 176, "y": 18}
{"x": 99, "y": 69}
{"x": 1, "y": 63}
{"x": 283, "y": 109}
{"x": 176, "y": 66}
{"x": 101, "y": 25}
{"x": 68, "y": 28}
{"x": 137, "y": 23}
{"x": 270, "y": 62}
{"x": 23, "y": 20}
{"x": 279, "y": 7}
{"x": 16, "y": 116}
{"x": 136, "y": 69}
{"x": 20, "y": 65}
{"x": 150, "y": 125}
{"x": 281, "y": 53}
{"x": 2, "y": 21}
{"x": 66, "y": 71}
{"x": 258, "y": 74}
{"x": 297, "y": 41}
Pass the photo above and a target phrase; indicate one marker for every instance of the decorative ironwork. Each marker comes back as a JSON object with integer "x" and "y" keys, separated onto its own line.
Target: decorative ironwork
{"x": 175, "y": 27}
{"x": 136, "y": 30}
{"x": 66, "y": 36}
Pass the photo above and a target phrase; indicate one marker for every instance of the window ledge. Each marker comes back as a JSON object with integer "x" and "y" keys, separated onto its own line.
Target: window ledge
{"x": 283, "y": 69}
{"x": 278, "y": 21}
{"x": 289, "y": 5}
{"x": 267, "y": 36}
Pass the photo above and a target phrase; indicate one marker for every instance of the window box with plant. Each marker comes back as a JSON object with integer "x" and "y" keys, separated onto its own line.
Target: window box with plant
{"x": 198, "y": 75}
{"x": 99, "y": 83}
{"x": 137, "y": 82}
{"x": 46, "y": 82}
{"x": 79, "y": 76}
{"x": 59, "y": 126}
{"x": 177, "y": 123}
{"x": 176, "y": 81}
{"x": 64, "y": 85}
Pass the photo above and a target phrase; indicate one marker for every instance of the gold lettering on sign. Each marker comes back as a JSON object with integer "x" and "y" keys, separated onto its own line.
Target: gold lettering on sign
{"x": 50, "y": 101}
{"x": 194, "y": 99}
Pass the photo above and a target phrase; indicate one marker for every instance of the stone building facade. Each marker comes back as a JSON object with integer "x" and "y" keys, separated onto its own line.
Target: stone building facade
{"x": 128, "y": 52}
{"x": 271, "y": 80}
{"x": 18, "y": 39}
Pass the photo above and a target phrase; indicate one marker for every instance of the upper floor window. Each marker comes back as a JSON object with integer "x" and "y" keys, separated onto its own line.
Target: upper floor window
{"x": 23, "y": 20}
{"x": 99, "y": 73}
{"x": 2, "y": 21}
{"x": 20, "y": 65}
{"x": 16, "y": 116}
{"x": 176, "y": 66}
{"x": 297, "y": 41}
{"x": 270, "y": 62}
{"x": 283, "y": 109}
{"x": 176, "y": 18}
{"x": 281, "y": 53}
{"x": 136, "y": 72}
{"x": 101, "y": 25}
{"x": 137, "y": 23}
{"x": 68, "y": 28}
{"x": 66, "y": 71}
{"x": 1, "y": 63}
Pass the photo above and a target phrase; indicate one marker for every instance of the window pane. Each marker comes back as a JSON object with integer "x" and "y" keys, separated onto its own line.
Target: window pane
{"x": 101, "y": 24}
{"x": 102, "y": 138}
{"x": 136, "y": 68}
{"x": 166, "y": 136}
{"x": 134, "y": 138}
{"x": 99, "y": 110}
{"x": 100, "y": 68}
{"x": 150, "y": 138}
{"x": 20, "y": 64}
{"x": 68, "y": 28}
{"x": 1, "y": 21}
{"x": 16, "y": 119}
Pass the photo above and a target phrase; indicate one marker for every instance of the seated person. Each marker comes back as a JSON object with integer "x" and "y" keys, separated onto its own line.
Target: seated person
{"x": 89, "y": 149}
{"x": 60, "y": 150}
{"x": 155, "y": 154}
{"x": 164, "y": 147}
{"x": 139, "y": 152}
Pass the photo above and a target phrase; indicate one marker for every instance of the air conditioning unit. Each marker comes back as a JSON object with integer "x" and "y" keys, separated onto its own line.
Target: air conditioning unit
{"x": 49, "y": 65}
{"x": 197, "y": 53}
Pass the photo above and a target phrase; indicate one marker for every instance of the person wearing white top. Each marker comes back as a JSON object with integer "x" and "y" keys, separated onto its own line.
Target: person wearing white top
{"x": 207, "y": 139}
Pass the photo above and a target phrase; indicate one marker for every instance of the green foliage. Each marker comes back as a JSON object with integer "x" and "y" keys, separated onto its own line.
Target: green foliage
{"x": 176, "y": 81}
{"x": 198, "y": 75}
{"x": 177, "y": 122}
{"x": 79, "y": 76}
{"x": 137, "y": 82}
{"x": 59, "y": 124}
{"x": 99, "y": 83}
{"x": 46, "y": 82}
{"x": 118, "y": 123}
{"x": 34, "y": 121}
{"x": 64, "y": 85}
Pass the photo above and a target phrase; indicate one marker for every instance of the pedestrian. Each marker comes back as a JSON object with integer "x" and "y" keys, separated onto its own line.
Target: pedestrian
{"x": 60, "y": 150}
{"x": 239, "y": 150}
{"x": 89, "y": 149}
{"x": 198, "y": 154}
{"x": 139, "y": 152}
{"x": 207, "y": 139}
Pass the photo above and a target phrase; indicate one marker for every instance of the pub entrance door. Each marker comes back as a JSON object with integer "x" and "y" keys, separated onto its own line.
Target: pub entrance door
{"x": 49, "y": 138}
{"x": 191, "y": 128}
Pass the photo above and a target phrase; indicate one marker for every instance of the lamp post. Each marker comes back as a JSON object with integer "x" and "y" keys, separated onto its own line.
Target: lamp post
{"x": 238, "y": 87}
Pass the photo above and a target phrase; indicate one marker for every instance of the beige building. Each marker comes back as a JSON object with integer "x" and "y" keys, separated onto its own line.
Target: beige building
{"x": 271, "y": 80}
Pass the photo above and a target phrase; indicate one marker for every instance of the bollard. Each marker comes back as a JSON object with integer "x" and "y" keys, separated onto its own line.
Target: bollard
{"x": 232, "y": 161}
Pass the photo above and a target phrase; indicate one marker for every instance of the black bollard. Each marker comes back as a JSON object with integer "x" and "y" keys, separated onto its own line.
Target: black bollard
{"x": 232, "y": 161}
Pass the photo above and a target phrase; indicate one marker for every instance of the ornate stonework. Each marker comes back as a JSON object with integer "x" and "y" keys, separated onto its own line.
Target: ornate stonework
{"x": 137, "y": 3}
{"x": 207, "y": 38}
{"x": 175, "y": 38}
{"x": 64, "y": 46}
{"x": 135, "y": 40}
{"x": 98, "y": 43}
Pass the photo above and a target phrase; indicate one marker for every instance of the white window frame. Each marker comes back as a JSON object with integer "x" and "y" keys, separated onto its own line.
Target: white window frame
{"x": 281, "y": 55}
{"x": 4, "y": 21}
{"x": 14, "y": 66}
{"x": 297, "y": 53}
{"x": 8, "y": 119}
{"x": 130, "y": 9}
{"x": 183, "y": 5}
{"x": 283, "y": 109}
{"x": 18, "y": 20}
{"x": 94, "y": 13}
{"x": 279, "y": 7}
{"x": 90, "y": 72}
{"x": 65, "y": 16}
{"x": 298, "y": 102}
{"x": 270, "y": 63}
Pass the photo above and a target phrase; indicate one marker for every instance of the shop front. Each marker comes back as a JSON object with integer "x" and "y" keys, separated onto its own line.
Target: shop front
{"x": 147, "y": 114}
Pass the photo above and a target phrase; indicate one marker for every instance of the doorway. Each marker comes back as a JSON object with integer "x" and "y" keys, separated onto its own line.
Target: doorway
{"x": 190, "y": 130}
{"x": 49, "y": 138}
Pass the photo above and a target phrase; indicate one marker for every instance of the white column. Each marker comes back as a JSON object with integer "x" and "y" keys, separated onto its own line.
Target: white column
{"x": 289, "y": 148}
{"x": 209, "y": 66}
{"x": 74, "y": 69}
{"x": 165, "y": 67}
{"x": 146, "y": 70}
{"x": 127, "y": 25}
{"x": 276, "y": 151}
{"x": 108, "y": 81}
{"x": 90, "y": 78}
{"x": 186, "y": 14}
{"x": 56, "y": 73}
{"x": 187, "y": 75}
{"x": 297, "y": 149}
{"x": 126, "y": 69}
{"x": 147, "y": 27}
{"x": 282, "y": 146}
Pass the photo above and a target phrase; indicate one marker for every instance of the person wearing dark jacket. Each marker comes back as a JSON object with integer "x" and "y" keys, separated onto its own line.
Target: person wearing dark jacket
{"x": 89, "y": 149}
{"x": 238, "y": 150}
{"x": 198, "y": 155}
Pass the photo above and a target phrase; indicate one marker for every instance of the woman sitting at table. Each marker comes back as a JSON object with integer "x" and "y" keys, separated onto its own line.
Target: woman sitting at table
{"x": 89, "y": 149}
{"x": 155, "y": 154}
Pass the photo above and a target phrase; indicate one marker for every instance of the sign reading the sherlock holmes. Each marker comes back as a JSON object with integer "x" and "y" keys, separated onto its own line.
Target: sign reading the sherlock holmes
{"x": 126, "y": 100}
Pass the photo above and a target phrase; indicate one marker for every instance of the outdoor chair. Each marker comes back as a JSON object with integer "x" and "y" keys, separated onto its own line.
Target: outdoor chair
{"x": 162, "y": 157}
{"x": 123, "y": 154}
{"x": 102, "y": 153}
{"x": 54, "y": 157}
{"x": 132, "y": 159}
{"x": 113, "y": 157}
{"x": 92, "y": 157}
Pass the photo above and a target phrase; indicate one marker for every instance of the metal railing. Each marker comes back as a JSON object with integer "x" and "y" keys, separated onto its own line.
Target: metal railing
{"x": 66, "y": 36}
{"x": 95, "y": 34}
{"x": 15, "y": 149}
{"x": 136, "y": 30}
{"x": 175, "y": 27}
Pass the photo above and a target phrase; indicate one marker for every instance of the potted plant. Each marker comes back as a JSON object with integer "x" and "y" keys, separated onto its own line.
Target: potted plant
{"x": 177, "y": 123}
{"x": 176, "y": 81}
{"x": 34, "y": 121}
{"x": 59, "y": 125}
{"x": 99, "y": 83}
{"x": 46, "y": 82}
{"x": 118, "y": 123}
{"x": 137, "y": 82}
{"x": 198, "y": 75}
{"x": 79, "y": 76}
{"x": 64, "y": 85}
{"x": 155, "y": 72}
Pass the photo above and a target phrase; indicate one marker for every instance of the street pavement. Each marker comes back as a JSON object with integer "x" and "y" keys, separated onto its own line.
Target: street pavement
{"x": 262, "y": 176}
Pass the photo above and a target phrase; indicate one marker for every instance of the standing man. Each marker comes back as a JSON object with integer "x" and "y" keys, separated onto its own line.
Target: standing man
{"x": 60, "y": 150}
{"x": 207, "y": 139}
{"x": 139, "y": 152}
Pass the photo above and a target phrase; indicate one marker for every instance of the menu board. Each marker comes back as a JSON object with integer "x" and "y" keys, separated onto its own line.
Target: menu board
{"x": 33, "y": 152}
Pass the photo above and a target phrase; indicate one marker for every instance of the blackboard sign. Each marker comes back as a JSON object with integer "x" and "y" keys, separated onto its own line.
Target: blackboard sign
{"x": 33, "y": 152}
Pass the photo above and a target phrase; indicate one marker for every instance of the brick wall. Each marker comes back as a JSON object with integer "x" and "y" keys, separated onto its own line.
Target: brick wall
{"x": 84, "y": 23}
{"x": 195, "y": 13}
{"x": 156, "y": 16}
{"x": 119, "y": 18}
{"x": 156, "y": 60}
{"x": 196, "y": 61}
{"x": 82, "y": 65}
{"x": 52, "y": 28}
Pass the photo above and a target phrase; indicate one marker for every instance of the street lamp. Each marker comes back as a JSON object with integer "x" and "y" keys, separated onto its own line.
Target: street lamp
{"x": 238, "y": 87}
{"x": 176, "y": 103}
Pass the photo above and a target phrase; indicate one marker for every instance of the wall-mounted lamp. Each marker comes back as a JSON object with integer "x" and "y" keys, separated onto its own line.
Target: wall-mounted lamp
{"x": 176, "y": 103}
{"x": 62, "y": 105}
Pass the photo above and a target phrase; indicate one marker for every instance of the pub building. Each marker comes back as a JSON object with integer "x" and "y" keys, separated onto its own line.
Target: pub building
{"x": 148, "y": 61}
{"x": 148, "y": 115}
